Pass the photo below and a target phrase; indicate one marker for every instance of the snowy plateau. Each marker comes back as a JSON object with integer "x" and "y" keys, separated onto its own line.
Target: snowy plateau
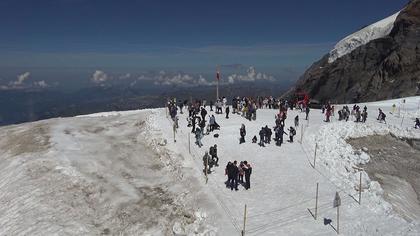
{"x": 121, "y": 173}
{"x": 377, "y": 30}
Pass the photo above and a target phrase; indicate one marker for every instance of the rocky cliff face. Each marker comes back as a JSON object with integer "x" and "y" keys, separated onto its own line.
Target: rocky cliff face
{"x": 384, "y": 68}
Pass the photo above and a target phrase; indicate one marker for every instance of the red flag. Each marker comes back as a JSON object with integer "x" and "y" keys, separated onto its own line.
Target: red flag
{"x": 218, "y": 75}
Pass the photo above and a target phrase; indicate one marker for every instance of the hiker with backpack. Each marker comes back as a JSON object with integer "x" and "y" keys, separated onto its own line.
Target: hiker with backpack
{"x": 381, "y": 116}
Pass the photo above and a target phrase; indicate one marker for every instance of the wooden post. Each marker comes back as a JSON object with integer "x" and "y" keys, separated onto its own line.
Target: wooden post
{"x": 243, "y": 229}
{"x": 301, "y": 134}
{"x": 166, "y": 109}
{"x": 206, "y": 169}
{"x": 316, "y": 147}
{"x": 316, "y": 201}
{"x": 360, "y": 188}
{"x": 217, "y": 85}
{"x": 189, "y": 142}
{"x": 174, "y": 129}
{"x": 338, "y": 219}
{"x": 337, "y": 203}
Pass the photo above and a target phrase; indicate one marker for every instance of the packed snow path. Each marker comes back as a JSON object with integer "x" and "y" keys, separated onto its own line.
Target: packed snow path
{"x": 283, "y": 183}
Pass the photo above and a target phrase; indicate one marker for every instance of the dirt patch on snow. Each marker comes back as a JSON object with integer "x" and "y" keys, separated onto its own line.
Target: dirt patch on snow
{"x": 33, "y": 139}
{"x": 395, "y": 164}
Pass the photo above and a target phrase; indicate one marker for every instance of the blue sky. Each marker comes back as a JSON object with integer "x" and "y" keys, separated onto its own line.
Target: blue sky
{"x": 178, "y": 34}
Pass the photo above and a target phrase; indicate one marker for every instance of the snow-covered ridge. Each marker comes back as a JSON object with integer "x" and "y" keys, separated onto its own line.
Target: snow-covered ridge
{"x": 377, "y": 30}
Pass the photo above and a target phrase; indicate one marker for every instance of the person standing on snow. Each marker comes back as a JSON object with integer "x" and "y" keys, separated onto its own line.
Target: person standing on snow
{"x": 233, "y": 172}
{"x": 212, "y": 122}
{"x": 262, "y": 135}
{"x": 181, "y": 105}
{"x": 202, "y": 125}
{"x": 227, "y": 168}
{"x": 292, "y": 132}
{"x": 327, "y": 112}
{"x": 207, "y": 162}
{"x": 242, "y": 133}
{"x": 417, "y": 124}
{"x": 297, "y": 121}
{"x": 248, "y": 172}
{"x": 193, "y": 122}
{"x": 279, "y": 135}
{"x": 364, "y": 115}
{"x": 213, "y": 154}
{"x": 307, "y": 112}
{"x": 241, "y": 172}
{"x": 198, "y": 137}
{"x": 227, "y": 112}
{"x": 203, "y": 113}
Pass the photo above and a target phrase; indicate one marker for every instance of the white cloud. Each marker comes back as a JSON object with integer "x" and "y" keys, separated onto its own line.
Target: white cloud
{"x": 41, "y": 84}
{"x": 250, "y": 76}
{"x": 180, "y": 79}
{"x": 99, "y": 77}
{"x": 20, "y": 79}
{"x": 126, "y": 76}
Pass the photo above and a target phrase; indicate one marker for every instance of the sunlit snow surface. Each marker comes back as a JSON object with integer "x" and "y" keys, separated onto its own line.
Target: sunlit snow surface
{"x": 122, "y": 173}
{"x": 377, "y": 30}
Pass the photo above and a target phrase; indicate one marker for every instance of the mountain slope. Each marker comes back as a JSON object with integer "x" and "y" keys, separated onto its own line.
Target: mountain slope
{"x": 383, "y": 68}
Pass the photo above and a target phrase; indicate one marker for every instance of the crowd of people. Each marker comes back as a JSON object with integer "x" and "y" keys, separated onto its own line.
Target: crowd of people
{"x": 236, "y": 174}
{"x": 202, "y": 123}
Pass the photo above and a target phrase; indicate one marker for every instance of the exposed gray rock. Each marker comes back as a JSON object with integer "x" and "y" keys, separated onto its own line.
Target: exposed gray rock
{"x": 384, "y": 68}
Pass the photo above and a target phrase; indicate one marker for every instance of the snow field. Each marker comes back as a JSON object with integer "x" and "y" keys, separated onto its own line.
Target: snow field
{"x": 283, "y": 182}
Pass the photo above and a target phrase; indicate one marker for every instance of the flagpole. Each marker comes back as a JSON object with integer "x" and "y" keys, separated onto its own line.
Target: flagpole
{"x": 217, "y": 85}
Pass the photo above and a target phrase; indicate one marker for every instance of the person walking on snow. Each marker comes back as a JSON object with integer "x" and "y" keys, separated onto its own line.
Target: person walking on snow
{"x": 381, "y": 116}
{"x": 297, "y": 121}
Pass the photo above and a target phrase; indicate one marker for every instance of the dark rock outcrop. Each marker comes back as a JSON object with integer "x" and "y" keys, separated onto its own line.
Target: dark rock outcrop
{"x": 384, "y": 68}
